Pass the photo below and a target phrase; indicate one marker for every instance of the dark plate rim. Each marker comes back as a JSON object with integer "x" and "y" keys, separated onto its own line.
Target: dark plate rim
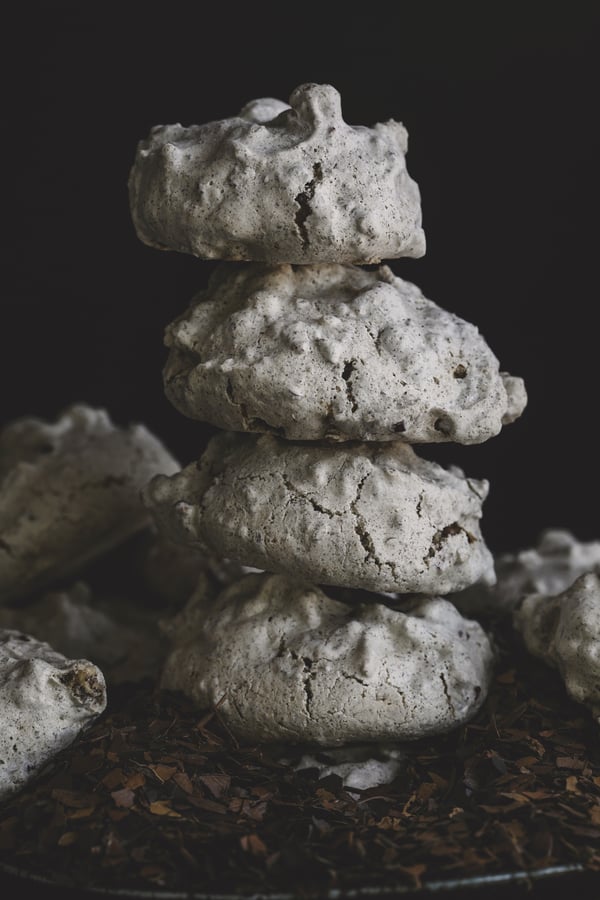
{"x": 434, "y": 886}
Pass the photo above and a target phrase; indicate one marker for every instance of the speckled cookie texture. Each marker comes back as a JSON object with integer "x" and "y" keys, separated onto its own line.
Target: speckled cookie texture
{"x": 70, "y": 492}
{"x": 45, "y": 701}
{"x": 564, "y": 631}
{"x": 277, "y": 183}
{"x": 549, "y": 568}
{"x": 334, "y": 352}
{"x": 371, "y": 516}
{"x": 286, "y": 662}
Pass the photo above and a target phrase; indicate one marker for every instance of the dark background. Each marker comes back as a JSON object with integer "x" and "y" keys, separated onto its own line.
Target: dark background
{"x": 501, "y": 104}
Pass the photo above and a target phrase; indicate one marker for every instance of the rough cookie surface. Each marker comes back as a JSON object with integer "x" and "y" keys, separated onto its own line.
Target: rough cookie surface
{"x": 564, "y": 631}
{"x": 45, "y": 701}
{"x": 70, "y": 492}
{"x": 548, "y": 569}
{"x": 337, "y": 353}
{"x": 372, "y": 516}
{"x": 279, "y": 184}
{"x": 286, "y": 662}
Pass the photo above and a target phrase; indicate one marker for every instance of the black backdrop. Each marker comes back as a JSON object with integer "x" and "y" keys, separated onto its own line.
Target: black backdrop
{"x": 501, "y": 104}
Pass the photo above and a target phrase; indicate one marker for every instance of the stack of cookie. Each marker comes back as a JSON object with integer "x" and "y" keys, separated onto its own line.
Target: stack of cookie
{"x": 322, "y": 375}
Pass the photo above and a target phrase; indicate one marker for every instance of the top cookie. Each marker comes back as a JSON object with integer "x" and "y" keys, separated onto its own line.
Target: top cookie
{"x": 300, "y": 187}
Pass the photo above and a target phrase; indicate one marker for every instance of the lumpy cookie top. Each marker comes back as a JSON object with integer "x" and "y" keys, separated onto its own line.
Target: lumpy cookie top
{"x": 277, "y": 184}
{"x": 337, "y": 353}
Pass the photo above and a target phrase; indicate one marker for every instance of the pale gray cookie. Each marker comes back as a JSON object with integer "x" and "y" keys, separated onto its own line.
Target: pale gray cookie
{"x": 285, "y": 662}
{"x": 279, "y": 184}
{"x": 549, "y": 568}
{"x": 45, "y": 701}
{"x": 337, "y": 353}
{"x": 70, "y": 492}
{"x": 371, "y": 516}
{"x": 564, "y": 631}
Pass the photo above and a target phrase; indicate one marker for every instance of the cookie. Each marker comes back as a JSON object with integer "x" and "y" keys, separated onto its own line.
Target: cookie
{"x": 549, "y": 568}
{"x": 70, "y": 492}
{"x": 301, "y": 187}
{"x": 337, "y": 353}
{"x": 282, "y": 661}
{"x": 372, "y": 516}
{"x": 114, "y": 632}
{"x": 45, "y": 701}
{"x": 564, "y": 631}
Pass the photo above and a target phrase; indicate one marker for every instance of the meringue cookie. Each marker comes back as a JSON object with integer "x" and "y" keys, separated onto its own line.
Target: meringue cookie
{"x": 70, "y": 492}
{"x": 564, "y": 631}
{"x": 45, "y": 701}
{"x": 285, "y": 662}
{"x": 301, "y": 187}
{"x": 334, "y": 352}
{"x": 371, "y": 516}
{"x": 549, "y": 568}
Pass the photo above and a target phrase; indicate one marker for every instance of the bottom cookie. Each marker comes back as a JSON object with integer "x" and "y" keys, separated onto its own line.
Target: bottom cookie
{"x": 283, "y": 661}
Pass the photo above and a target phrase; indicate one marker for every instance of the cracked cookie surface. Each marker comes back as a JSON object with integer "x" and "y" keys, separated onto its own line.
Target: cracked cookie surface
{"x": 337, "y": 353}
{"x": 279, "y": 183}
{"x": 283, "y": 661}
{"x": 373, "y": 516}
